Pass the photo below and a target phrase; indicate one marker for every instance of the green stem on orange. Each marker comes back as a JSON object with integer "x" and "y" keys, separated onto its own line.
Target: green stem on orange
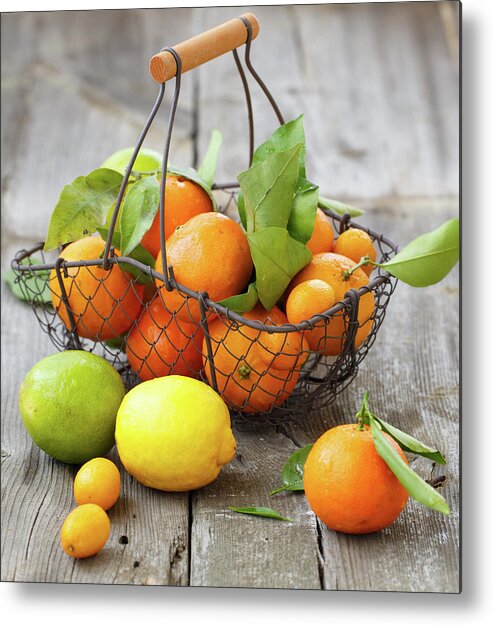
{"x": 365, "y": 260}
{"x": 363, "y": 415}
{"x": 244, "y": 371}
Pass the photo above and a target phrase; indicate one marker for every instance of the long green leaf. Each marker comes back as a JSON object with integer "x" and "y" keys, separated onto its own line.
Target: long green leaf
{"x": 415, "y": 486}
{"x": 284, "y": 138}
{"x": 268, "y": 189}
{"x": 244, "y": 302}
{"x": 340, "y": 208}
{"x": 410, "y": 444}
{"x": 30, "y": 286}
{"x": 429, "y": 258}
{"x": 82, "y": 207}
{"x": 138, "y": 211}
{"x": 261, "y": 511}
{"x": 207, "y": 169}
{"x": 293, "y": 471}
{"x": 302, "y": 218}
{"x": 277, "y": 258}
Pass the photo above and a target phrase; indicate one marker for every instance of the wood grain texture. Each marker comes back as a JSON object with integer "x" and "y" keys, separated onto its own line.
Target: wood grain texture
{"x": 378, "y": 86}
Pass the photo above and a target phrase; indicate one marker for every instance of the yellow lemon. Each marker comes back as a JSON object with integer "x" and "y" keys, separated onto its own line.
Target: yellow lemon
{"x": 174, "y": 433}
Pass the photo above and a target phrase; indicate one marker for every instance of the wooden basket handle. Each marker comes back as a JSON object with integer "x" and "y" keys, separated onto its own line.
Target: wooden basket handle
{"x": 204, "y": 47}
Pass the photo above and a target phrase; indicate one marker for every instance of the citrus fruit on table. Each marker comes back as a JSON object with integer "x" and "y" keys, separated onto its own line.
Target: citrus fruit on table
{"x": 68, "y": 402}
{"x": 210, "y": 253}
{"x": 183, "y": 199}
{"x": 174, "y": 433}
{"x": 329, "y": 338}
{"x": 97, "y": 481}
{"x": 255, "y": 370}
{"x": 104, "y": 303}
{"x": 159, "y": 345}
{"x": 355, "y": 243}
{"x": 85, "y": 531}
{"x": 348, "y": 485}
{"x": 322, "y": 239}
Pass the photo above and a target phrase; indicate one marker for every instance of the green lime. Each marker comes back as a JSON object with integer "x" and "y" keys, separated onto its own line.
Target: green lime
{"x": 147, "y": 160}
{"x": 68, "y": 403}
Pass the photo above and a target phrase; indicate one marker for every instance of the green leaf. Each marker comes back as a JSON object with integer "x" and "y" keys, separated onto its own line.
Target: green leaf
{"x": 268, "y": 189}
{"x": 138, "y": 253}
{"x": 117, "y": 343}
{"x": 207, "y": 169}
{"x": 415, "y": 486}
{"x": 244, "y": 302}
{"x": 293, "y": 470}
{"x": 147, "y": 161}
{"x": 339, "y": 207}
{"x": 138, "y": 211}
{"x": 284, "y": 138}
{"x": 302, "y": 218}
{"x": 411, "y": 444}
{"x": 260, "y": 511}
{"x": 277, "y": 258}
{"x": 429, "y": 258}
{"x": 30, "y": 286}
{"x": 82, "y": 206}
{"x": 192, "y": 174}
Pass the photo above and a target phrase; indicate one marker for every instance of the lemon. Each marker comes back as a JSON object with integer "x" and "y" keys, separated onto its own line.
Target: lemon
{"x": 174, "y": 433}
{"x": 68, "y": 402}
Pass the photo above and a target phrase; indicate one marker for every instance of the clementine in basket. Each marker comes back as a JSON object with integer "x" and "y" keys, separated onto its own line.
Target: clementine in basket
{"x": 322, "y": 239}
{"x": 251, "y": 375}
{"x": 97, "y": 481}
{"x": 210, "y": 253}
{"x": 329, "y": 267}
{"x": 85, "y": 531}
{"x": 348, "y": 485}
{"x": 355, "y": 243}
{"x": 104, "y": 303}
{"x": 159, "y": 345}
{"x": 183, "y": 199}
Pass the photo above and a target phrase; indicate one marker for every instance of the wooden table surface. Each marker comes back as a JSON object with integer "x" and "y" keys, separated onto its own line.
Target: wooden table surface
{"x": 378, "y": 85}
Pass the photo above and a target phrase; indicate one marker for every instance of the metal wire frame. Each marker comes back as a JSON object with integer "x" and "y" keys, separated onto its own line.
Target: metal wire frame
{"x": 318, "y": 380}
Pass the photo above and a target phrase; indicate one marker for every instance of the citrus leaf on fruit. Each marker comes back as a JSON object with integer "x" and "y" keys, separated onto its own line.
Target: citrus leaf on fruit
{"x": 147, "y": 161}
{"x": 410, "y": 444}
{"x": 207, "y": 169}
{"x": 260, "y": 511}
{"x": 268, "y": 189}
{"x": 429, "y": 258}
{"x": 138, "y": 211}
{"x": 302, "y": 218}
{"x": 244, "y": 302}
{"x": 277, "y": 258}
{"x": 82, "y": 206}
{"x": 415, "y": 485}
{"x": 340, "y": 208}
{"x": 31, "y": 286}
{"x": 138, "y": 253}
{"x": 293, "y": 471}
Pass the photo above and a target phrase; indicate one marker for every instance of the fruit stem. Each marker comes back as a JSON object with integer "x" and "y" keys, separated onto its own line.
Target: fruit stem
{"x": 363, "y": 414}
{"x": 244, "y": 371}
{"x": 365, "y": 260}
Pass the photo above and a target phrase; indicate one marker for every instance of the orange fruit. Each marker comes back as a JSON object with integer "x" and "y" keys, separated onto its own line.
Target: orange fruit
{"x": 183, "y": 199}
{"x": 85, "y": 531}
{"x": 355, "y": 243}
{"x": 159, "y": 345}
{"x": 322, "y": 239}
{"x": 97, "y": 481}
{"x": 307, "y": 299}
{"x": 209, "y": 253}
{"x": 104, "y": 303}
{"x": 330, "y": 337}
{"x": 348, "y": 485}
{"x": 251, "y": 374}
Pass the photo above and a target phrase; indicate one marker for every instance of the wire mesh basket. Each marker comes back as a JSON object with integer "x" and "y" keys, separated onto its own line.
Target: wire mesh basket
{"x": 265, "y": 368}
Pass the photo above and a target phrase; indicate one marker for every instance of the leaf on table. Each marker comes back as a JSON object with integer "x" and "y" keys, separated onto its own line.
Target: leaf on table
{"x": 138, "y": 253}
{"x": 304, "y": 210}
{"x": 340, "y": 208}
{"x": 293, "y": 471}
{"x": 261, "y": 511}
{"x": 410, "y": 444}
{"x": 429, "y": 258}
{"x": 277, "y": 258}
{"x": 244, "y": 302}
{"x": 268, "y": 189}
{"x": 30, "y": 286}
{"x": 83, "y": 206}
{"x": 138, "y": 211}
{"x": 412, "y": 482}
{"x": 207, "y": 169}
